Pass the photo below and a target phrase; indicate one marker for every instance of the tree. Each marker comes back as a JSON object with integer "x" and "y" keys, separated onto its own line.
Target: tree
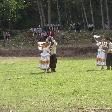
{"x": 41, "y": 12}
{"x": 92, "y": 13}
{"x": 59, "y": 16}
{"x": 102, "y": 15}
{"x": 44, "y": 12}
{"x": 85, "y": 15}
{"x": 8, "y": 10}
{"x": 43, "y": 15}
{"x": 49, "y": 12}
{"x": 107, "y": 10}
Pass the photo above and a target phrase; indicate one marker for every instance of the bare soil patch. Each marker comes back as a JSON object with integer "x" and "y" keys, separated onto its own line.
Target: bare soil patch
{"x": 61, "y": 52}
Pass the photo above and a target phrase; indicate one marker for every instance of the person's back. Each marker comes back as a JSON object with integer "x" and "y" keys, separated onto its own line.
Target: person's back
{"x": 50, "y": 33}
{"x": 39, "y": 29}
{"x": 7, "y": 35}
{"x": 45, "y": 57}
{"x": 77, "y": 27}
{"x": 90, "y": 27}
{"x": 109, "y": 47}
{"x": 45, "y": 51}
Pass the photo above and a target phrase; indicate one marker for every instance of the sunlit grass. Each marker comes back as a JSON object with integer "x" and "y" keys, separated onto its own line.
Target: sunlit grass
{"x": 78, "y": 83}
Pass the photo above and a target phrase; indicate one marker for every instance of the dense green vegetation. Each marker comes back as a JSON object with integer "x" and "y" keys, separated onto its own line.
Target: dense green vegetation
{"x": 78, "y": 83}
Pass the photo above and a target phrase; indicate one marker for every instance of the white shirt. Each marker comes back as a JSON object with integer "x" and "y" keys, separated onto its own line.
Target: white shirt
{"x": 110, "y": 47}
{"x": 101, "y": 45}
{"x": 53, "y": 49}
{"x": 46, "y": 51}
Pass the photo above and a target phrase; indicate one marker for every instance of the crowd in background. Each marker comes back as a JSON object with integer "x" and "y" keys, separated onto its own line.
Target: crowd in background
{"x": 77, "y": 26}
{"x": 46, "y": 31}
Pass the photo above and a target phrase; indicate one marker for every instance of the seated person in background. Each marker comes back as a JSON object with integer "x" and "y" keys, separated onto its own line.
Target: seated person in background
{"x": 39, "y": 30}
{"x": 77, "y": 27}
{"x": 50, "y": 33}
{"x": 90, "y": 27}
{"x": 43, "y": 36}
{"x": 7, "y": 36}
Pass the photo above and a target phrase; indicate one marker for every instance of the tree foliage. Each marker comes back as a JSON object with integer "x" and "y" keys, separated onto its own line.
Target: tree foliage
{"x": 8, "y": 9}
{"x": 30, "y": 13}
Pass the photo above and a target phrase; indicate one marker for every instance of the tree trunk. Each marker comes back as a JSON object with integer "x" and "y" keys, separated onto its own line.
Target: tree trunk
{"x": 59, "y": 17}
{"x": 102, "y": 15}
{"x": 92, "y": 13}
{"x": 84, "y": 13}
{"x": 9, "y": 21}
{"x": 83, "y": 21}
{"x": 49, "y": 12}
{"x": 66, "y": 13}
{"x": 70, "y": 17}
{"x": 40, "y": 13}
{"x": 43, "y": 15}
{"x": 107, "y": 9}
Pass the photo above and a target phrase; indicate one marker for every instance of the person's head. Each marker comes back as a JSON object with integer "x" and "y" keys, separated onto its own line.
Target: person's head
{"x": 103, "y": 39}
{"x": 48, "y": 39}
{"x": 108, "y": 39}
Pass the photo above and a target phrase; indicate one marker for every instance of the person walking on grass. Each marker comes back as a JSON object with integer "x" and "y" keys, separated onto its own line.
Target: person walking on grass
{"x": 109, "y": 54}
{"x": 101, "y": 55}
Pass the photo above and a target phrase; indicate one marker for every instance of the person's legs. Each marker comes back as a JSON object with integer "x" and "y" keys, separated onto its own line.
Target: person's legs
{"x": 102, "y": 60}
{"x": 53, "y": 70}
{"x": 108, "y": 67}
{"x": 102, "y": 67}
{"x": 108, "y": 61}
{"x": 111, "y": 61}
{"x": 53, "y": 61}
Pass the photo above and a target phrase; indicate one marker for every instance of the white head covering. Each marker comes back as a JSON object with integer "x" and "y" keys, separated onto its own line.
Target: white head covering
{"x": 96, "y": 36}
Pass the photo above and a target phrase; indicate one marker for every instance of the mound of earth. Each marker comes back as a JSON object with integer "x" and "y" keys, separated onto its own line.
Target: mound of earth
{"x": 61, "y": 52}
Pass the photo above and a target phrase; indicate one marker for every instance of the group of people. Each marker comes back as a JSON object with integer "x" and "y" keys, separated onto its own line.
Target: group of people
{"x": 41, "y": 33}
{"x": 104, "y": 55}
{"x": 48, "y": 57}
{"x": 75, "y": 27}
{"x": 6, "y": 35}
{"x": 78, "y": 26}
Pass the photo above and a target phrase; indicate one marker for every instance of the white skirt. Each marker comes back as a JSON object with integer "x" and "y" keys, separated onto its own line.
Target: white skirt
{"x": 101, "y": 58}
{"x": 44, "y": 61}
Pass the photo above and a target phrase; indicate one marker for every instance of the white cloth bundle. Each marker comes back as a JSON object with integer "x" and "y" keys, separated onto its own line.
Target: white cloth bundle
{"x": 96, "y": 36}
{"x": 40, "y": 44}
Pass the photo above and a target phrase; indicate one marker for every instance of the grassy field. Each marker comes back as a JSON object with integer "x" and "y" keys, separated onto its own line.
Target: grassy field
{"x": 77, "y": 84}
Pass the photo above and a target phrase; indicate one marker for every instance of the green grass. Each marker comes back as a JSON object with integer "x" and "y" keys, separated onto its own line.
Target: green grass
{"x": 78, "y": 83}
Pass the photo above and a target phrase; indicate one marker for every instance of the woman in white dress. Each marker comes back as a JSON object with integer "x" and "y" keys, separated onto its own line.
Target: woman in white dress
{"x": 101, "y": 55}
{"x": 45, "y": 57}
